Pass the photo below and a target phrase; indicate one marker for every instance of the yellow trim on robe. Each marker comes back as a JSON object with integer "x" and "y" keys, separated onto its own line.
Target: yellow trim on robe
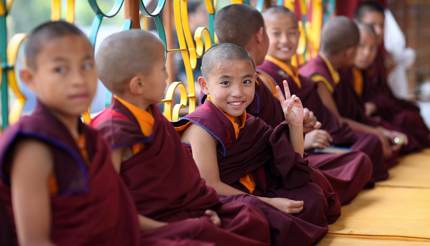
{"x": 291, "y": 71}
{"x": 239, "y": 123}
{"x": 268, "y": 81}
{"x": 334, "y": 74}
{"x": 320, "y": 78}
{"x": 144, "y": 119}
{"x": 357, "y": 81}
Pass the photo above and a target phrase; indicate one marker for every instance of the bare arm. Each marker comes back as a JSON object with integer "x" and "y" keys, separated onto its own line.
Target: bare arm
{"x": 205, "y": 156}
{"x": 31, "y": 169}
{"x": 149, "y": 224}
{"x": 327, "y": 99}
{"x": 117, "y": 157}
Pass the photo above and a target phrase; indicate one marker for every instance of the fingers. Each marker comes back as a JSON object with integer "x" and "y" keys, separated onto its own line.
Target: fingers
{"x": 294, "y": 206}
{"x": 213, "y": 216}
{"x": 287, "y": 92}
{"x": 279, "y": 94}
{"x": 321, "y": 139}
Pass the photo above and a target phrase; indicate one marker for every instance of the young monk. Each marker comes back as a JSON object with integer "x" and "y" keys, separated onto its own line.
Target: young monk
{"x": 379, "y": 99}
{"x": 230, "y": 28}
{"x": 237, "y": 153}
{"x": 56, "y": 174}
{"x": 348, "y": 172}
{"x": 339, "y": 40}
{"x": 161, "y": 175}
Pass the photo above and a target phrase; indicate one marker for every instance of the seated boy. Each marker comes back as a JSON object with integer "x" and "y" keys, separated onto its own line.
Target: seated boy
{"x": 347, "y": 173}
{"x": 159, "y": 172}
{"x": 378, "y": 96}
{"x": 363, "y": 81}
{"x": 56, "y": 173}
{"x": 339, "y": 40}
{"x": 237, "y": 153}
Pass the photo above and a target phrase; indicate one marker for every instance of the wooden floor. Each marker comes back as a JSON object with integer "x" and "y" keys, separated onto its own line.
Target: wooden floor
{"x": 395, "y": 212}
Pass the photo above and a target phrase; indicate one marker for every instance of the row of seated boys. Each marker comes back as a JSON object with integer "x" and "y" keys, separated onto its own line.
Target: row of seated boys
{"x": 245, "y": 168}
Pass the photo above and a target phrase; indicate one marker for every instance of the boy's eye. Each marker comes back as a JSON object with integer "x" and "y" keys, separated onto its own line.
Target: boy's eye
{"x": 276, "y": 34}
{"x": 60, "y": 70}
{"x": 225, "y": 83}
{"x": 87, "y": 66}
{"x": 247, "y": 82}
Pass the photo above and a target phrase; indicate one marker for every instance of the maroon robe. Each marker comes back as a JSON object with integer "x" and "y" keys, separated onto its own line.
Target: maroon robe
{"x": 92, "y": 205}
{"x": 348, "y": 173}
{"x": 165, "y": 183}
{"x": 267, "y": 155}
{"x": 349, "y": 106}
{"x": 345, "y": 87}
{"x": 398, "y": 112}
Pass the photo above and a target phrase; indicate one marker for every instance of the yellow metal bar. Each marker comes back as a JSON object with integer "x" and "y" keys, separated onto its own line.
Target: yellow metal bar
{"x": 70, "y": 11}
{"x": 12, "y": 53}
{"x": 55, "y": 9}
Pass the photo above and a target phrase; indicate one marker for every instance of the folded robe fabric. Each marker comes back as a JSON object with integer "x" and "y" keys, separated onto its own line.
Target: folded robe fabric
{"x": 166, "y": 186}
{"x": 267, "y": 155}
{"x": 92, "y": 205}
{"x": 348, "y": 173}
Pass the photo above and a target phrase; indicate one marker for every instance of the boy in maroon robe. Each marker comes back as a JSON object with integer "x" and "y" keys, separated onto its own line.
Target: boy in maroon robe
{"x": 348, "y": 173}
{"x": 339, "y": 40}
{"x": 237, "y": 153}
{"x": 159, "y": 172}
{"x": 57, "y": 181}
{"x": 378, "y": 97}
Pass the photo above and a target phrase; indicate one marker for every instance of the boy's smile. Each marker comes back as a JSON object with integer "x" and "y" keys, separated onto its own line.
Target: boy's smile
{"x": 230, "y": 85}
{"x": 283, "y": 35}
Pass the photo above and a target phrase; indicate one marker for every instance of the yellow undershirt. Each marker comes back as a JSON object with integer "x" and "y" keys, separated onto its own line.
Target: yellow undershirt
{"x": 238, "y": 123}
{"x": 144, "y": 118}
{"x": 292, "y": 72}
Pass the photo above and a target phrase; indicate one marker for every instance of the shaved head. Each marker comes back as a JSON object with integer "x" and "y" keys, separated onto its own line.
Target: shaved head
{"x": 339, "y": 34}
{"x": 279, "y": 10}
{"x": 45, "y": 32}
{"x": 237, "y": 23}
{"x": 125, "y": 54}
{"x": 223, "y": 52}
{"x": 365, "y": 28}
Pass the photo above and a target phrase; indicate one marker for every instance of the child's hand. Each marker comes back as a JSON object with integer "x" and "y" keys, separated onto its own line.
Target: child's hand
{"x": 370, "y": 108}
{"x": 213, "y": 217}
{"x": 317, "y": 139}
{"x": 286, "y": 205}
{"x": 386, "y": 146}
{"x": 291, "y": 106}
{"x": 310, "y": 122}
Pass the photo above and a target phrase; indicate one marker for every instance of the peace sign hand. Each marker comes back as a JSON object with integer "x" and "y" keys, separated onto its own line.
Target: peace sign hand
{"x": 291, "y": 105}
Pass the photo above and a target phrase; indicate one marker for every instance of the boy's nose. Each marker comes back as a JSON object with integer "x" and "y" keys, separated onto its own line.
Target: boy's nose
{"x": 78, "y": 78}
{"x": 237, "y": 91}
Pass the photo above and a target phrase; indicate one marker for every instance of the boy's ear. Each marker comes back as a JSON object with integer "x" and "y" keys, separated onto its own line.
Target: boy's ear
{"x": 27, "y": 77}
{"x": 203, "y": 84}
{"x": 136, "y": 85}
{"x": 260, "y": 34}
